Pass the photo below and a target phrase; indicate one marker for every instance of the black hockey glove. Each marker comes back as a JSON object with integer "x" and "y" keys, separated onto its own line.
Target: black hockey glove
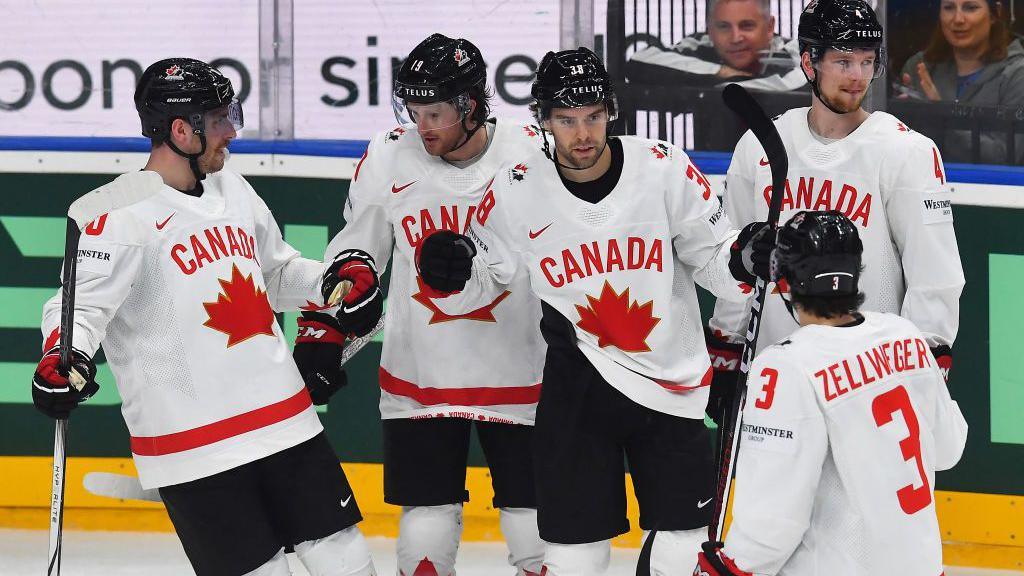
{"x": 318, "y": 355}
{"x": 711, "y": 562}
{"x": 750, "y": 254}
{"x": 944, "y": 357}
{"x": 52, "y": 393}
{"x": 360, "y": 309}
{"x": 445, "y": 261}
{"x": 725, "y": 361}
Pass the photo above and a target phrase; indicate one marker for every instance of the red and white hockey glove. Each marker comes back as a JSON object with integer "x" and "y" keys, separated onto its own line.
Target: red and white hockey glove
{"x": 944, "y": 357}
{"x": 317, "y": 354}
{"x": 445, "y": 261}
{"x": 725, "y": 361}
{"x": 52, "y": 392}
{"x": 363, "y": 305}
{"x": 711, "y": 562}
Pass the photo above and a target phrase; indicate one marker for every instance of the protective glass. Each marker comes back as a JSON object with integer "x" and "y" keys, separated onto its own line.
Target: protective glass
{"x": 222, "y": 121}
{"x": 432, "y": 116}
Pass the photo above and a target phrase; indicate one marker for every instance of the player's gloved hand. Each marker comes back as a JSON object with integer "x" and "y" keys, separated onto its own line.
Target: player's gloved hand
{"x": 711, "y": 562}
{"x": 52, "y": 393}
{"x": 317, "y": 354}
{"x": 445, "y": 261}
{"x": 360, "y": 309}
{"x": 750, "y": 255}
{"x": 725, "y": 361}
{"x": 944, "y": 357}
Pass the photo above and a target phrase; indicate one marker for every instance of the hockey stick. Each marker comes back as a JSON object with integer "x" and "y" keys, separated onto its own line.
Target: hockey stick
{"x": 743, "y": 105}
{"x": 123, "y": 191}
{"x": 127, "y": 487}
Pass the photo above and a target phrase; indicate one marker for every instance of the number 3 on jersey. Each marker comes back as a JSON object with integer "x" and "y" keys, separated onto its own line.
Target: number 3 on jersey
{"x": 912, "y": 499}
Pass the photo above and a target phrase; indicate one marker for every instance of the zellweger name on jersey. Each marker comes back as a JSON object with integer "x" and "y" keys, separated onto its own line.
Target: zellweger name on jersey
{"x": 891, "y": 183}
{"x": 483, "y": 364}
{"x": 181, "y": 292}
{"x": 843, "y": 431}
{"x": 622, "y": 270}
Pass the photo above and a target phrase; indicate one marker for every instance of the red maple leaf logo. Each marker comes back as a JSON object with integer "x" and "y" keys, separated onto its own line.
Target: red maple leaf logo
{"x": 482, "y": 314}
{"x": 618, "y": 322}
{"x": 314, "y": 307}
{"x": 241, "y": 310}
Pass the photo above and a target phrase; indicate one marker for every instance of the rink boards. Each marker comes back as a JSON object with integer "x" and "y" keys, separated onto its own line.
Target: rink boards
{"x": 304, "y": 183}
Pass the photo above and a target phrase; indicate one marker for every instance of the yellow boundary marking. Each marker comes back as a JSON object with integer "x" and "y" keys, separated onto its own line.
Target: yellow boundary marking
{"x": 982, "y": 530}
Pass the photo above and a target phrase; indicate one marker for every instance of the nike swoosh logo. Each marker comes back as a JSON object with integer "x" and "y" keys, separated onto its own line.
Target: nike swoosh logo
{"x": 533, "y": 235}
{"x": 700, "y": 503}
{"x": 160, "y": 225}
{"x": 397, "y": 189}
{"x": 763, "y": 162}
{"x": 345, "y": 502}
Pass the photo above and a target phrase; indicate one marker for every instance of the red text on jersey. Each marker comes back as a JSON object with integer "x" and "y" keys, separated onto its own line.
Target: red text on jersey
{"x": 877, "y": 363}
{"x": 822, "y": 196}
{"x": 211, "y": 245}
{"x": 419, "y": 226}
{"x": 633, "y": 253}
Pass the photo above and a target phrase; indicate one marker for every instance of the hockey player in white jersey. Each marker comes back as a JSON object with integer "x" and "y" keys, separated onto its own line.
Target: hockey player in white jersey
{"x": 613, "y": 233}
{"x": 887, "y": 179}
{"x": 442, "y": 375}
{"x": 180, "y": 289}
{"x": 846, "y": 423}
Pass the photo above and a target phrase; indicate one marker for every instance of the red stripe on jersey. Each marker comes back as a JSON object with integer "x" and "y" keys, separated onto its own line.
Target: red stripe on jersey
{"x": 360, "y": 165}
{"x": 459, "y": 396}
{"x": 671, "y": 386}
{"x": 223, "y": 429}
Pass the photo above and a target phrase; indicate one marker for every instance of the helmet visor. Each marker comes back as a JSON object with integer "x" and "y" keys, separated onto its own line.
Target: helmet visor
{"x": 851, "y": 62}
{"x": 433, "y": 115}
{"x": 224, "y": 120}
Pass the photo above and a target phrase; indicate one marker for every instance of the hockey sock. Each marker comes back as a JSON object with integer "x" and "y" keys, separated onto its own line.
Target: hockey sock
{"x": 525, "y": 548}
{"x": 276, "y": 566}
{"x": 675, "y": 549}
{"x": 578, "y": 559}
{"x": 344, "y": 553}
{"x": 428, "y": 538}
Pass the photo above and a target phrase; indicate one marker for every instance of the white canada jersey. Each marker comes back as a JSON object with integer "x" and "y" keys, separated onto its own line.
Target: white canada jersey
{"x": 621, "y": 270}
{"x": 843, "y": 431}
{"x": 482, "y": 364}
{"x": 891, "y": 183}
{"x": 181, "y": 292}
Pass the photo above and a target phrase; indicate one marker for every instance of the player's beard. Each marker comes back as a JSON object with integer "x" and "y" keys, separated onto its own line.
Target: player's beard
{"x": 565, "y": 154}
{"x": 844, "y": 105}
{"x": 213, "y": 160}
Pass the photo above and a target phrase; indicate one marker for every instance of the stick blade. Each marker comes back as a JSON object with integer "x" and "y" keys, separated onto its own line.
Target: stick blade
{"x": 119, "y": 486}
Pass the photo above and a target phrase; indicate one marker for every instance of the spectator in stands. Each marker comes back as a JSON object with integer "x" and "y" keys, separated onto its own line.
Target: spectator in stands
{"x": 972, "y": 59}
{"x": 740, "y": 46}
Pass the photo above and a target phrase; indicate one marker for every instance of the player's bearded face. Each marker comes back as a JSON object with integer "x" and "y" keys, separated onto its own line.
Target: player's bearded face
{"x": 439, "y": 125}
{"x": 844, "y": 77}
{"x": 219, "y": 134}
{"x": 580, "y": 134}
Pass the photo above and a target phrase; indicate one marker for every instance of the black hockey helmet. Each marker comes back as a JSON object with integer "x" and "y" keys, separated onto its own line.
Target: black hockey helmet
{"x": 440, "y": 69}
{"x": 187, "y": 89}
{"x": 818, "y": 254}
{"x": 182, "y": 88}
{"x": 841, "y": 25}
{"x": 572, "y": 79}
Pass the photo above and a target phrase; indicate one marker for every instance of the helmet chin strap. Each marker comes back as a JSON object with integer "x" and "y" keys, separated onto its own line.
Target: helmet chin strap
{"x": 789, "y": 307}
{"x": 193, "y": 159}
{"x": 468, "y": 135}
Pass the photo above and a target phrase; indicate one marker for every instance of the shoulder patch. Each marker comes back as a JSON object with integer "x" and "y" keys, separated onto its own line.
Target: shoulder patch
{"x": 517, "y": 173}
{"x": 531, "y": 130}
{"x": 660, "y": 151}
{"x": 394, "y": 134}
